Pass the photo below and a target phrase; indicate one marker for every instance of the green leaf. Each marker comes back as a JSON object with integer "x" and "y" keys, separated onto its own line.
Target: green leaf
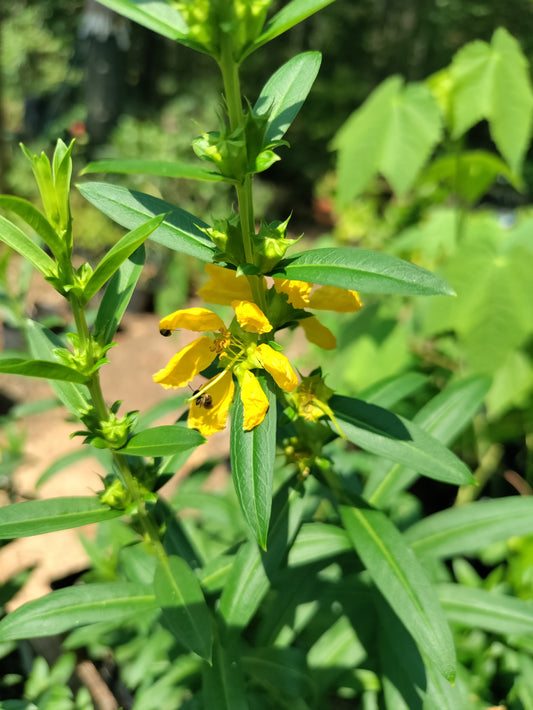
{"x": 42, "y": 345}
{"x": 393, "y": 133}
{"x": 252, "y": 463}
{"x": 156, "y": 15}
{"x": 290, "y": 15}
{"x": 179, "y": 230}
{"x": 337, "y": 649}
{"x": 120, "y": 251}
{"x": 472, "y": 527}
{"x": 162, "y": 168}
{"x": 183, "y": 606}
{"x": 402, "y": 581}
{"x": 444, "y": 417}
{"x": 491, "y": 81}
{"x": 17, "y": 240}
{"x": 36, "y": 517}
{"x": 162, "y": 441}
{"x": 117, "y": 295}
{"x": 222, "y": 683}
{"x": 482, "y": 609}
{"x": 361, "y": 270}
{"x": 35, "y": 219}
{"x": 284, "y": 93}
{"x": 282, "y": 671}
{"x": 318, "y": 541}
{"x": 75, "y": 606}
{"x": 40, "y": 368}
{"x": 393, "y": 437}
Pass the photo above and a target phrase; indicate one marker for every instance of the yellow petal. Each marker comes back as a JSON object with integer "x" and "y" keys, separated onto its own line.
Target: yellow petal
{"x": 332, "y": 298}
{"x": 254, "y": 400}
{"x": 212, "y": 418}
{"x": 297, "y": 291}
{"x": 224, "y": 286}
{"x": 278, "y": 366}
{"x": 318, "y": 334}
{"x": 250, "y": 317}
{"x": 187, "y": 363}
{"x": 197, "y": 319}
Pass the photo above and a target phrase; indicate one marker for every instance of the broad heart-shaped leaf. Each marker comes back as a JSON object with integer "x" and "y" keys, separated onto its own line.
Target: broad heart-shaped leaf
{"x": 470, "y": 528}
{"x": 40, "y": 368}
{"x": 117, "y": 295}
{"x": 162, "y": 168}
{"x": 185, "y": 613}
{"x": 286, "y": 90}
{"x": 393, "y": 133}
{"x": 36, "y": 517}
{"x": 179, "y": 230}
{"x": 26, "y": 247}
{"x": 399, "y": 577}
{"x": 444, "y": 417}
{"x": 482, "y": 609}
{"x": 291, "y": 14}
{"x": 35, "y": 219}
{"x": 492, "y": 82}
{"x": 162, "y": 441}
{"x": 252, "y": 463}
{"x": 75, "y": 606}
{"x": 393, "y": 437}
{"x": 118, "y": 253}
{"x": 361, "y": 270}
{"x": 42, "y": 345}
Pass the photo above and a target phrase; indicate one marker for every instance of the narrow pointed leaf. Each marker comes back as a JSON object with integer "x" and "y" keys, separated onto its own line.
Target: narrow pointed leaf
{"x": 162, "y": 168}
{"x": 362, "y": 270}
{"x": 317, "y": 541}
{"x": 75, "y": 606}
{"x": 118, "y": 254}
{"x": 286, "y": 90}
{"x": 162, "y": 441}
{"x": 470, "y": 528}
{"x": 20, "y": 242}
{"x": 40, "y": 368}
{"x": 33, "y": 218}
{"x": 393, "y": 437}
{"x": 223, "y": 685}
{"x": 290, "y": 15}
{"x": 402, "y": 581}
{"x": 185, "y": 613}
{"x": 252, "y": 463}
{"x": 482, "y": 609}
{"x": 179, "y": 230}
{"x": 36, "y": 517}
{"x": 117, "y": 296}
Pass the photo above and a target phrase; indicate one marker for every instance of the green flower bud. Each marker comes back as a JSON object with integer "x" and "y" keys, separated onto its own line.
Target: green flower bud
{"x": 227, "y": 237}
{"x": 116, "y": 496}
{"x": 270, "y": 245}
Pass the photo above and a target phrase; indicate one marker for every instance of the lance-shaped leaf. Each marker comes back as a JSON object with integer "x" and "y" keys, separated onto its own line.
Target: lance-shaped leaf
{"x": 40, "y": 368}
{"x": 179, "y": 230}
{"x": 223, "y": 685}
{"x": 118, "y": 254}
{"x": 117, "y": 295}
{"x": 184, "y": 611}
{"x": 26, "y": 247}
{"x": 399, "y": 576}
{"x": 492, "y": 82}
{"x": 362, "y": 270}
{"x": 75, "y": 606}
{"x": 284, "y": 93}
{"x": 33, "y": 218}
{"x": 162, "y": 168}
{"x": 36, "y": 517}
{"x": 471, "y": 527}
{"x": 252, "y": 463}
{"x": 393, "y": 437}
{"x": 392, "y": 133}
{"x": 290, "y": 15}
{"x": 162, "y": 441}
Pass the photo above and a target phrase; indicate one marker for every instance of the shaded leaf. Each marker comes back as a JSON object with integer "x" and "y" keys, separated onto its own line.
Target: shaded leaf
{"x": 163, "y": 440}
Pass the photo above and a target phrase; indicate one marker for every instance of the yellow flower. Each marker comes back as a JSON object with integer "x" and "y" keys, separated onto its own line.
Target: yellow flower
{"x": 224, "y": 286}
{"x": 238, "y": 354}
{"x": 318, "y": 334}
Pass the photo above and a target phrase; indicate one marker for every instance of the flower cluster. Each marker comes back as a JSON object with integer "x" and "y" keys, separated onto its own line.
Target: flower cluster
{"x": 244, "y": 346}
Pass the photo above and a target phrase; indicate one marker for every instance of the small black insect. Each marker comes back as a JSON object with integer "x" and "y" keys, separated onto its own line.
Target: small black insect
{"x": 203, "y": 400}
{"x": 165, "y": 332}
